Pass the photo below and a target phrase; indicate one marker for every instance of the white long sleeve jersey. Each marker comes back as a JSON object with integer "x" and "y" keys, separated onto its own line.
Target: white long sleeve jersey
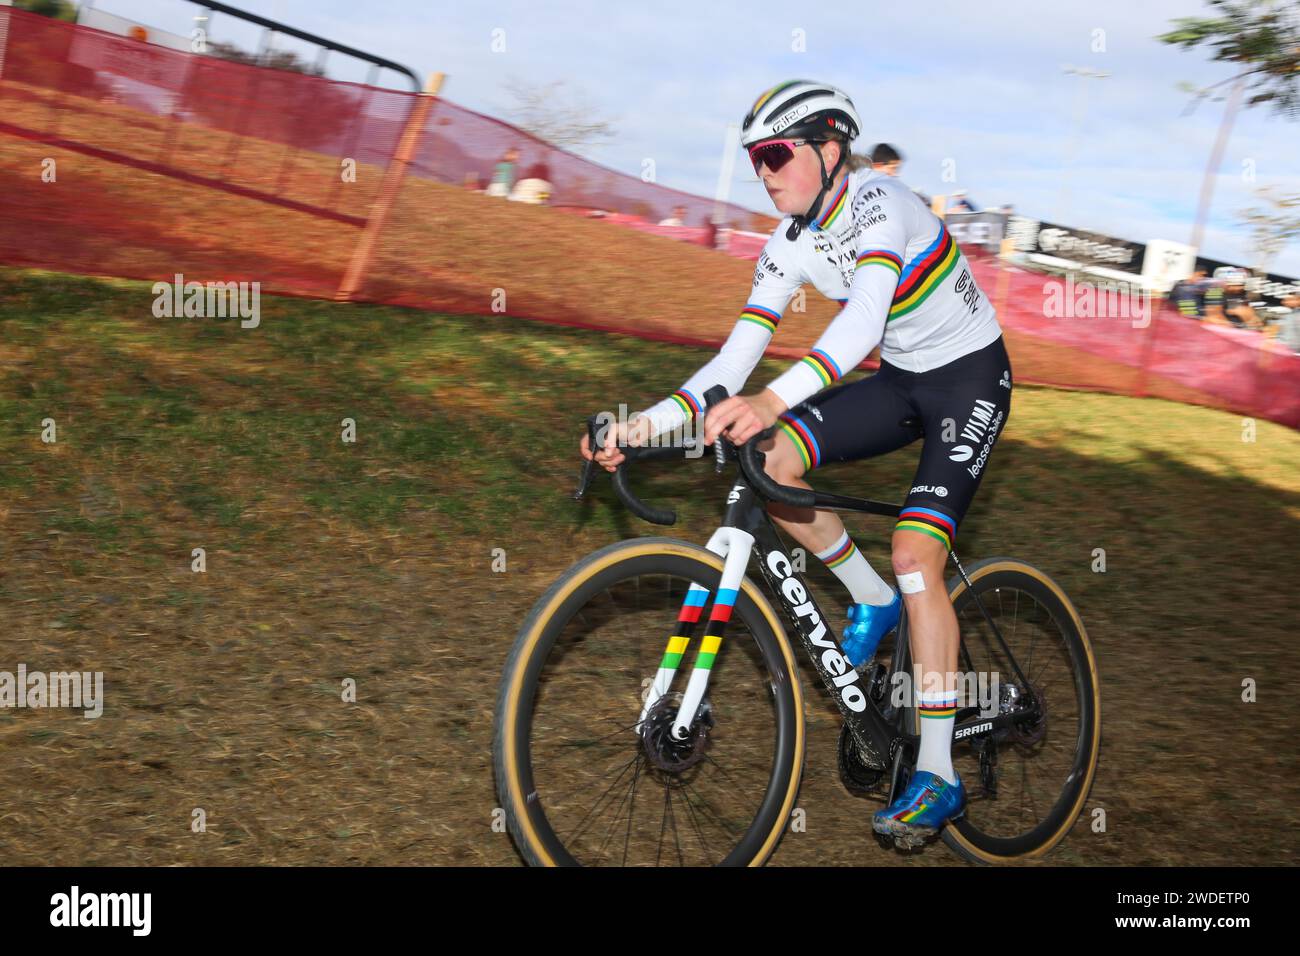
{"x": 904, "y": 283}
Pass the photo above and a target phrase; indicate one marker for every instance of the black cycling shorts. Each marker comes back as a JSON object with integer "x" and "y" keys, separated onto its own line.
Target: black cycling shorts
{"x": 959, "y": 408}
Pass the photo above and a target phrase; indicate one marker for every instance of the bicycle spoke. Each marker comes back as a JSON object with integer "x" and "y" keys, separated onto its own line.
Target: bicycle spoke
{"x": 705, "y": 805}
{"x": 1039, "y": 678}
{"x": 668, "y": 817}
{"x": 1027, "y": 789}
{"x": 722, "y": 770}
{"x": 599, "y": 800}
{"x": 699, "y": 832}
{"x": 630, "y": 810}
{"x": 635, "y": 765}
{"x": 1015, "y": 618}
{"x": 587, "y": 742}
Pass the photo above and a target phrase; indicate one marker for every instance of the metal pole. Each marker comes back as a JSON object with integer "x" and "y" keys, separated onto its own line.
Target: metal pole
{"x": 730, "y": 143}
{"x": 290, "y": 149}
{"x": 266, "y": 46}
{"x": 355, "y": 135}
{"x": 1212, "y": 168}
{"x": 1066, "y": 201}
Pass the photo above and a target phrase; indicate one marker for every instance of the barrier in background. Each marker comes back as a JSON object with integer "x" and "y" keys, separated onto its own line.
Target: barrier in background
{"x": 271, "y": 136}
{"x": 1159, "y": 354}
{"x": 1136, "y": 346}
{"x": 223, "y": 170}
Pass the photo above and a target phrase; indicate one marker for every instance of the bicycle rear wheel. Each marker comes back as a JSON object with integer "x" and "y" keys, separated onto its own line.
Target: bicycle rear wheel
{"x": 1025, "y": 786}
{"x": 584, "y": 781}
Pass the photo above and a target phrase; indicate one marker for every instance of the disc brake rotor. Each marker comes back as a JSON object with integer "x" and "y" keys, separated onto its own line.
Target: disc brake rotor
{"x": 665, "y": 753}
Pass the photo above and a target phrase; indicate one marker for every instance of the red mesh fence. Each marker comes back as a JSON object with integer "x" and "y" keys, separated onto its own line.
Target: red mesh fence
{"x": 197, "y": 118}
{"x": 1128, "y": 349}
{"x": 166, "y": 162}
{"x": 462, "y": 147}
{"x": 128, "y": 159}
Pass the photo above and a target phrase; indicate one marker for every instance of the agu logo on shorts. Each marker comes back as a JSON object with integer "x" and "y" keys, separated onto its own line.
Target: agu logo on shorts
{"x": 939, "y": 490}
{"x": 961, "y": 453}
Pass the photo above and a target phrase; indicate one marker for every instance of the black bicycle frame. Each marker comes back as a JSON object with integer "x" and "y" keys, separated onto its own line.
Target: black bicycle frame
{"x": 873, "y": 728}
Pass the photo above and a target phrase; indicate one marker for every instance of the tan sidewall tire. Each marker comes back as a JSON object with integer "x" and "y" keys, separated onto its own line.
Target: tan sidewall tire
{"x": 506, "y": 755}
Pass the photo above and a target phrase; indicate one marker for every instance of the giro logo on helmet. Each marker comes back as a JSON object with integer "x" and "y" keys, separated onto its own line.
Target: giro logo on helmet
{"x": 789, "y": 118}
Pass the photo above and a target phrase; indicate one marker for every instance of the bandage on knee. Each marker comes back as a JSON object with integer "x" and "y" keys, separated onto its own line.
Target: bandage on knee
{"x": 911, "y": 582}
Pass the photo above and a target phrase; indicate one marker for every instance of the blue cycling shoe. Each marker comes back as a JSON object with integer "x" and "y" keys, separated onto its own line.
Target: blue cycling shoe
{"x": 928, "y": 802}
{"x": 868, "y": 624}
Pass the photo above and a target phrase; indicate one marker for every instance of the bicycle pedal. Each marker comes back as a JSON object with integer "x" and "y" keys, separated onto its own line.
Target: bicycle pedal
{"x": 912, "y": 842}
{"x": 909, "y": 836}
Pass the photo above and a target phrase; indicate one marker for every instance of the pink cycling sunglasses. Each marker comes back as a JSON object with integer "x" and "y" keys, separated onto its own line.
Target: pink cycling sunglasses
{"x": 775, "y": 153}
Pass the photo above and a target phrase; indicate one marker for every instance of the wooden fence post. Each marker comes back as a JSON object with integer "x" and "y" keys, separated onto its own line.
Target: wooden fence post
{"x": 355, "y": 276}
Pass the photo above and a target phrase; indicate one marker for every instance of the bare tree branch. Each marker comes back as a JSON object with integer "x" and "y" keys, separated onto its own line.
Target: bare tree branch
{"x": 550, "y": 112}
{"x": 1271, "y": 228}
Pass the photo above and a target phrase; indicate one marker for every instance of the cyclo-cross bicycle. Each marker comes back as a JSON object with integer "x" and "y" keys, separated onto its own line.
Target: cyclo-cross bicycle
{"x": 610, "y": 747}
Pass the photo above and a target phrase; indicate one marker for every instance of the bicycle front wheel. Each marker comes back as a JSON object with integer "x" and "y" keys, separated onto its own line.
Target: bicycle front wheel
{"x": 585, "y": 780}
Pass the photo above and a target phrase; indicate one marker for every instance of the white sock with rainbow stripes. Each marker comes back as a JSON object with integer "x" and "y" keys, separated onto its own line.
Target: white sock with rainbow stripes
{"x": 847, "y": 563}
{"x": 938, "y": 712}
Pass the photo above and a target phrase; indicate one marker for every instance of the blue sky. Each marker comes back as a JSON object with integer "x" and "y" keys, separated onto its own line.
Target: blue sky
{"x": 976, "y": 88}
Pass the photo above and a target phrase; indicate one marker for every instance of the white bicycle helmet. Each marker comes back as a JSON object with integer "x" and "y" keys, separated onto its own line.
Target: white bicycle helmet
{"x": 1230, "y": 275}
{"x": 799, "y": 109}
{"x": 802, "y": 109}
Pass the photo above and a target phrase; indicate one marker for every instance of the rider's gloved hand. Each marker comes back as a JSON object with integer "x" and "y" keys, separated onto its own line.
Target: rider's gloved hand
{"x": 740, "y": 417}
{"x": 636, "y": 432}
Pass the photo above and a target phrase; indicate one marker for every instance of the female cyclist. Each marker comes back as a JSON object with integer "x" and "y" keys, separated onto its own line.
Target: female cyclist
{"x": 865, "y": 240}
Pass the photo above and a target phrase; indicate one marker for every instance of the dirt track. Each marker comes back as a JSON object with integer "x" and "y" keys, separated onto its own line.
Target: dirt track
{"x": 374, "y": 563}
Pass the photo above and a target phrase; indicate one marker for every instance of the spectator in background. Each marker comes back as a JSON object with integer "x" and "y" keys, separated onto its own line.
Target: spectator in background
{"x": 1226, "y": 301}
{"x": 1188, "y": 295}
{"x": 960, "y": 202}
{"x": 535, "y": 188}
{"x": 678, "y": 218}
{"x": 503, "y": 177}
{"x": 886, "y": 159}
{"x": 712, "y": 235}
{"x": 1289, "y": 325}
